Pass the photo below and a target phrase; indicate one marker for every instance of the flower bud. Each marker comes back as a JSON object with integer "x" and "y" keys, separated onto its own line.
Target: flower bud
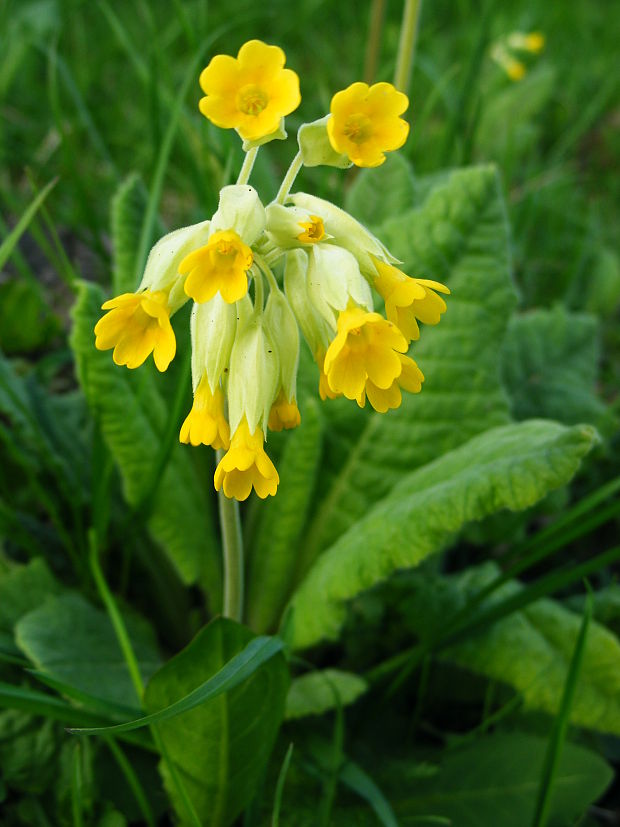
{"x": 346, "y": 232}
{"x": 240, "y": 209}
{"x": 254, "y": 374}
{"x": 334, "y": 279}
{"x": 213, "y": 325}
{"x": 162, "y": 266}
{"x": 283, "y": 331}
{"x": 315, "y": 146}
{"x": 317, "y": 332}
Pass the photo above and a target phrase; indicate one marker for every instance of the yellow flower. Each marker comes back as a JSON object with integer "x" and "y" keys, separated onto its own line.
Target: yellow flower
{"x": 408, "y": 299}
{"x": 206, "y": 424}
{"x": 250, "y": 93}
{"x": 535, "y": 42}
{"x": 136, "y": 325}
{"x": 222, "y": 265}
{"x": 410, "y": 378}
{"x": 245, "y": 465}
{"x": 515, "y": 69}
{"x": 313, "y": 230}
{"x": 366, "y": 347}
{"x": 284, "y": 413}
{"x": 364, "y": 122}
{"x": 325, "y": 392}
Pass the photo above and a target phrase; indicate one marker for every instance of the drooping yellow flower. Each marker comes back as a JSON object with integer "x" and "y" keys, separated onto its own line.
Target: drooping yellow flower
{"x": 222, "y": 265}
{"x": 366, "y": 347}
{"x": 313, "y": 230}
{"x": 409, "y": 299}
{"x": 364, "y": 122}
{"x": 135, "y": 325}
{"x": 410, "y": 379}
{"x": 246, "y": 465}
{"x": 284, "y": 413}
{"x": 515, "y": 69}
{"x": 206, "y": 424}
{"x": 250, "y": 93}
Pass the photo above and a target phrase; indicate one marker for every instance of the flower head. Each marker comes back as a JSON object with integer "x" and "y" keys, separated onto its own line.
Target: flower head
{"x": 206, "y": 424}
{"x": 284, "y": 413}
{"x": 221, "y": 265}
{"x": 136, "y": 325}
{"x": 408, "y": 299}
{"x": 246, "y": 466}
{"x": 364, "y": 122}
{"x": 366, "y": 347}
{"x": 250, "y": 93}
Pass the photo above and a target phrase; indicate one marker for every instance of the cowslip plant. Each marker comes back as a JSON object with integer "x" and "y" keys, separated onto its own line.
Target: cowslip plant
{"x": 320, "y": 266}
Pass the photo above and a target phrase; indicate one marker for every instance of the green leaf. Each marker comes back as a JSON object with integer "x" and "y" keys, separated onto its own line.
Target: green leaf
{"x": 127, "y": 214}
{"x": 23, "y": 588}
{"x": 318, "y": 692}
{"x": 220, "y": 749}
{"x": 508, "y": 467}
{"x": 8, "y": 244}
{"x": 26, "y": 320}
{"x": 459, "y": 236}
{"x": 73, "y": 642}
{"x": 27, "y": 751}
{"x": 495, "y": 781}
{"x": 381, "y": 192}
{"x": 275, "y": 551}
{"x": 544, "y": 634}
{"x": 550, "y": 366}
{"x": 133, "y": 414}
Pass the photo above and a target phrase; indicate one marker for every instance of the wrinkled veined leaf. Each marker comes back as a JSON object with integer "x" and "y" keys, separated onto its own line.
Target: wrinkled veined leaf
{"x": 219, "y": 749}
{"x": 132, "y": 414}
{"x": 550, "y": 366}
{"x": 458, "y": 236}
{"x": 508, "y": 467}
{"x": 318, "y": 692}
{"x": 382, "y": 192}
{"x": 275, "y": 551}
{"x": 127, "y": 214}
{"x": 71, "y": 641}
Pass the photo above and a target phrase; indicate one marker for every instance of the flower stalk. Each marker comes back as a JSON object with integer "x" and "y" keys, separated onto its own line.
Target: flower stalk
{"x": 232, "y": 549}
{"x": 289, "y": 178}
{"x": 407, "y": 44}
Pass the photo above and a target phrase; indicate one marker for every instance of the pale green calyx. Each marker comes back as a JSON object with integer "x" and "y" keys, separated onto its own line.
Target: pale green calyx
{"x": 162, "y": 265}
{"x": 334, "y": 279}
{"x": 346, "y": 232}
{"x": 213, "y": 326}
{"x": 240, "y": 209}
{"x": 254, "y": 375}
{"x": 316, "y": 330}
{"x": 290, "y": 227}
{"x": 278, "y": 135}
{"x": 282, "y": 328}
{"x": 315, "y": 147}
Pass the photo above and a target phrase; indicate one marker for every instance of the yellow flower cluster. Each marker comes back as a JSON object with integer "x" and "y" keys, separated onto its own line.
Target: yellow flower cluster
{"x": 319, "y": 264}
{"x": 507, "y": 52}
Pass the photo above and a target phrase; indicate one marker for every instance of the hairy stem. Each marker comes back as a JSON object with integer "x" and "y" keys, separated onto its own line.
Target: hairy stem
{"x": 248, "y": 164}
{"x": 289, "y": 178}
{"x": 232, "y": 548}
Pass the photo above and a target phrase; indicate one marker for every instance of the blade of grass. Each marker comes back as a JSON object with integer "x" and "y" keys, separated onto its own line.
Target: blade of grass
{"x": 277, "y": 803}
{"x": 132, "y": 779}
{"x": 8, "y": 244}
{"x": 77, "y": 804}
{"x": 560, "y": 723}
{"x": 356, "y": 779}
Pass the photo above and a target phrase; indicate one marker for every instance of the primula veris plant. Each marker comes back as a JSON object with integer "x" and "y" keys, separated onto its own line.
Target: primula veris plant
{"x": 319, "y": 264}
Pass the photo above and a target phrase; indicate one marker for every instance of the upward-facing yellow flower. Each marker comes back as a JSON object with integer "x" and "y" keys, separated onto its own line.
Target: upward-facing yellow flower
{"x": 245, "y": 465}
{"x": 408, "y": 299}
{"x": 366, "y": 347}
{"x": 364, "y": 122}
{"x": 136, "y": 325}
{"x": 222, "y": 265}
{"x": 250, "y": 93}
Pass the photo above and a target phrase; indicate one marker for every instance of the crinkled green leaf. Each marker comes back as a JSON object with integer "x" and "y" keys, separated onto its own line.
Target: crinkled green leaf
{"x": 550, "y": 366}
{"x": 458, "y": 236}
{"x": 71, "y": 641}
{"x": 127, "y": 214}
{"x": 275, "y": 551}
{"x": 219, "y": 749}
{"x": 317, "y": 692}
{"x": 382, "y": 192}
{"x": 132, "y": 414}
{"x": 507, "y": 467}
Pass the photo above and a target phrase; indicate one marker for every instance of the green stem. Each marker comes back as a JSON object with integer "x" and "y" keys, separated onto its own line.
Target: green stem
{"x": 232, "y": 548}
{"x": 373, "y": 44}
{"x": 289, "y": 178}
{"x": 248, "y": 163}
{"x": 406, "y": 45}
{"x": 266, "y": 269}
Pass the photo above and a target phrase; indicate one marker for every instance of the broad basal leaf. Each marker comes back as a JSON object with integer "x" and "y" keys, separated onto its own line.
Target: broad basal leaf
{"x": 459, "y": 236}
{"x": 71, "y": 641}
{"x": 507, "y": 467}
{"x": 133, "y": 414}
{"x": 220, "y": 748}
{"x": 23, "y": 588}
{"x": 382, "y": 192}
{"x": 317, "y": 692}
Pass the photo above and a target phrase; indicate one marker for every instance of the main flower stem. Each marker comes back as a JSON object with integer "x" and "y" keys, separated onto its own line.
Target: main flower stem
{"x": 232, "y": 547}
{"x": 248, "y": 163}
{"x": 406, "y": 44}
{"x": 289, "y": 178}
{"x": 373, "y": 44}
